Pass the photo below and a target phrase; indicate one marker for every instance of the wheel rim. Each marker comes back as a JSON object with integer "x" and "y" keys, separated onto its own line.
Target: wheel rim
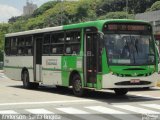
{"x": 77, "y": 85}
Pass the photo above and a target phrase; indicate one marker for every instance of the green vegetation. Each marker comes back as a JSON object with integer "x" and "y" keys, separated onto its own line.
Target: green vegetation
{"x": 44, "y": 8}
{"x": 3, "y": 30}
{"x": 155, "y": 6}
{"x": 117, "y": 15}
{"x": 55, "y": 13}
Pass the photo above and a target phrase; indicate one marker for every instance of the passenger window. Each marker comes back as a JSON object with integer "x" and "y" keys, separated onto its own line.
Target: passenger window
{"x": 72, "y": 42}
{"x": 13, "y": 46}
{"x": 21, "y": 46}
{"x": 29, "y": 45}
{"x": 46, "y": 44}
{"x": 57, "y": 43}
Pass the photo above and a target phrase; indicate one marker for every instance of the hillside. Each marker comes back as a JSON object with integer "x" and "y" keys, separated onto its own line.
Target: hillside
{"x": 55, "y": 13}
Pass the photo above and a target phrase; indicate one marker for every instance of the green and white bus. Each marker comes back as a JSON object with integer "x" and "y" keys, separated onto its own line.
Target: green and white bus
{"x": 104, "y": 54}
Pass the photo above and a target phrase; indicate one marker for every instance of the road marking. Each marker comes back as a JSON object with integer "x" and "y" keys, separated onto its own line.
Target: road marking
{"x": 105, "y": 110}
{"x": 71, "y": 110}
{"x": 8, "y": 112}
{"x": 78, "y": 113}
{"x": 136, "y": 109}
{"x": 39, "y": 111}
{"x": 147, "y": 96}
{"x": 155, "y": 106}
{"x": 46, "y": 102}
{"x": 116, "y": 113}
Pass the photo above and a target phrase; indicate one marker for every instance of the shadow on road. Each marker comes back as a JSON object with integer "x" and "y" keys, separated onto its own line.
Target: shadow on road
{"x": 101, "y": 96}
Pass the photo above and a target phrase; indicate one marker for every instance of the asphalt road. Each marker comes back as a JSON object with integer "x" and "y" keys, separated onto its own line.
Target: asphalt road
{"x": 63, "y": 105}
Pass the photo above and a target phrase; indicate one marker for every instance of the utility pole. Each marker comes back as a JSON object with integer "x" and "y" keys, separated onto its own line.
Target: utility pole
{"x": 126, "y": 8}
{"x": 61, "y": 11}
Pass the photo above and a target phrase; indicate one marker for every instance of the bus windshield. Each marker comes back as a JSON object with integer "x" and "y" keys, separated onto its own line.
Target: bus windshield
{"x": 129, "y": 49}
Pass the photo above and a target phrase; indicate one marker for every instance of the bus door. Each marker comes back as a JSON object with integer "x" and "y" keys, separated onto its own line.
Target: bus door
{"x": 91, "y": 59}
{"x": 158, "y": 50}
{"x": 38, "y": 59}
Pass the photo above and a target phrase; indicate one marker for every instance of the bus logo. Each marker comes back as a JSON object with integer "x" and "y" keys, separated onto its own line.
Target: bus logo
{"x": 135, "y": 74}
{"x": 51, "y": 62}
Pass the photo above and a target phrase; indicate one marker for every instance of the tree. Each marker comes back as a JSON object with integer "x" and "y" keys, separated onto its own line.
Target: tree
{"x": 3, "y": 30}
{"x": 155, "y": 6}
{"x": 87, "y": 10}
{"x": 55, "y": 13}
{"x": 117, "y": 15}
{"x": 13, "y": 19}
{"x": 35, "y": 23}
{"x": 1, "y": 45}
{"x": 134, "y": 6}
{"x": 44, "y": 7}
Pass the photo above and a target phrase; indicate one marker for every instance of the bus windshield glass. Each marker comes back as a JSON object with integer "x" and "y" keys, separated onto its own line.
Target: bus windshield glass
{"x": 129, "y": 49}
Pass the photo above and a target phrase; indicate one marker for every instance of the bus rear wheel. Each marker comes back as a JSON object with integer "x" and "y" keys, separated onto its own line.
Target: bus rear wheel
{"x": 120, "y": 91}
{"x": 26, "y": 83}
{"x": 77, "y": 86}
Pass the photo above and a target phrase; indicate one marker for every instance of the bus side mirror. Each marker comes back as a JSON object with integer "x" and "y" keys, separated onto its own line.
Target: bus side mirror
{"x": 157, "y": 42}
{"x": 101, "y": 35}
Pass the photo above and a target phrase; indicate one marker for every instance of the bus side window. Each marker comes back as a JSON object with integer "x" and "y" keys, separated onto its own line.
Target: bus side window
{"x": 7, "y": 46}
{"x": 54, "y": 50}
{"x": 28, "y": 45}
{"x": 14, "y": 46}
{"x": 46, "y": 44}
{"x": 57, "y": 43}
{"x": 72, "y": 42}
{"x": 21, "y": 45}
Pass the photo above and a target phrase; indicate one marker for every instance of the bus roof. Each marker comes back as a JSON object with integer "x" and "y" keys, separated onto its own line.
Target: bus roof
{"x": 98, "y": 24}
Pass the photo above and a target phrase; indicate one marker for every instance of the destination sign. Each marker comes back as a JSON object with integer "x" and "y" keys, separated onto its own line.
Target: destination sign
{"x": 127, "y": 27}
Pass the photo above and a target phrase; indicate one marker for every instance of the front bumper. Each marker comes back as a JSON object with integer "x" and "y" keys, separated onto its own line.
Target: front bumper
{"x": 112, "y": 81}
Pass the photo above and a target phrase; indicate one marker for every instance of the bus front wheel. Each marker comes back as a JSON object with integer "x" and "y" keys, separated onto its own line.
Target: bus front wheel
{"x": 77, "y": 86}
{"x": 120, "y": 91}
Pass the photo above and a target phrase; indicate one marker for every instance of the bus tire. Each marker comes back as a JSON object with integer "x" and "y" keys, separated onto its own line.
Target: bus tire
{"x": 26, "y": 83}
{"x": 120, "y": 91}
{"x": 25, "y": 80}
{"x": 77, "y": 86}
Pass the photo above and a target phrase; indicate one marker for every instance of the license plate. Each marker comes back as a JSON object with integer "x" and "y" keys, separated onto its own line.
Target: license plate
{"x": 135, "y": 81}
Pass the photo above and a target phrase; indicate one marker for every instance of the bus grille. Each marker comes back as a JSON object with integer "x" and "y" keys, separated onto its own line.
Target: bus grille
{"x": 129, "y": 83}
{"x": 130, "y": 75}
